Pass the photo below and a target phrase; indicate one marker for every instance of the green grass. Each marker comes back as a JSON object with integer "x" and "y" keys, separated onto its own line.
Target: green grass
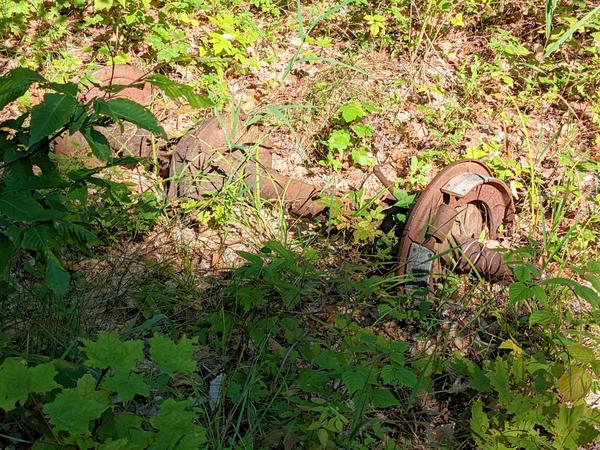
{"x": 300, "y": 337}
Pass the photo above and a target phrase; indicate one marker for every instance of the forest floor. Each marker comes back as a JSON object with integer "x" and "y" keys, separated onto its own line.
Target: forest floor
{"x": 289, "y": 312}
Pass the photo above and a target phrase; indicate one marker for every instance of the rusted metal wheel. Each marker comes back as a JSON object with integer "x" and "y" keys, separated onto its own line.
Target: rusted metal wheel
{"x": 462, "y": 208}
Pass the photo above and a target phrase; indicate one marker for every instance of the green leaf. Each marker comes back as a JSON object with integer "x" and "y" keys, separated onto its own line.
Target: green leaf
{"x": 130, "y": 111}
{"x": 73, "y": 409}
{"x": 574, "y": 384}
{"x": 17, "y": 381}
{"x": 50, "y": 115}
{"x": 572, "y": 29}
{"x": 7, "y": 250}
{"x": 100, "y": 5}
{"x": 352, "y": 111}
{"x": 15, "y": 83}
{"x": 394, "y": 374}
{"x": 362, "y": 158}
{"x": 176, "y": 91}
{"x": 127, "y": 386}
{"x": 98, "y": 143}
{"x": 175, "y": 422}
{"x": 37, "y": 238}
{"x": 403, "y": 198}
{"x": 362, "y": 130}
{"x": 172, "y": 357}
{"x": 581, "y": 353}
{"x": 479, "y": 419}
{"x": 542, "y": 317}
{"x": 382, "y": 398}
{"x": 20, "y": 205}
{"x": 110, "y": 351}
{"x": 57, "y": 278}
{"x": 356, "y": 378}
{"x": 518, "y": 292}
{"x": 339, "y": 140}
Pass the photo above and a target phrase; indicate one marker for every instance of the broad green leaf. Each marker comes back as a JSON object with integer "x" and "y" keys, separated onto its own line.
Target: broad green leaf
{"x": 177, "y": 430}
{"x": 130, "y": 426}
{"x": 127, "y": 386}
{"x": 356, "y": 378}
{"x": 98, "y": 143}
{"x": 171, "y": 357}
{"x": 57, "y": 278}
{"x": 15, "y": 83}
{"x": 397, "y": 375}
{"x": 73, "y": 409}
{"x": 498, "y": 376}
{"x": 518, "y": 292}
{"x": 110, "y": 351}
{"x": 130, "y": 111}
{"x": 352, "y": 111}
{"x": 176, "y": 91}
{"x": 403, "y": 198}
{"x": 543, "y": 317}
{"x": 339, "y": 140}
{"x": 382, "y": 398}
{"x": 50, "y": 115}
{"x": 581, "y": 353}
{"x": 574, "y": 384}
{"x": 37, "y": 238}
{"x": 362, "y": 158}
{"x": 362, "y": 130}
{"x": 17, "y": 381}
{"x": 479, "y": 419}
{"x": 20, "y": 205}
{"x": 118, "y": 444}
{"x": 100, "y": 5}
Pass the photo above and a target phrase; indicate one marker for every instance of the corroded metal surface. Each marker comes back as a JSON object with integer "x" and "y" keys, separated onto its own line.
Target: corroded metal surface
{"x": 462, "y": 204}
{"x": 122, "y": 75}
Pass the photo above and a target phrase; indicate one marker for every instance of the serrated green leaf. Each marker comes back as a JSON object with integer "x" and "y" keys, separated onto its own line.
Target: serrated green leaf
{"x": 171, "y": 357}
{"x": 110, "y": 351}
{"x": 176, "y": 91}
{"x": 127, "y": 386}
{"x": 98, "y": 143}
{"x": 130, "y": 111}
{"x": 118, "y": 444}
{"x": 511, "y": 345}
{"x": 37, "y": 238}
{"x": 130, "y": 426}
{"x": 17, "y": 381}
{"x": 542, "y": 317}
{"x": 57, "y": 278}
{"x": 362, "y": 130}
{"x": 382, "y": 398}
{"x": 356, "y": 378}
{"x": 339, "y": 140}
{"x": 574, "y": 384}
{"x": 50, "y": 115}
{"x": 394, "y": 374}
{"x": 73, "y": 409}
{"x": 15, "y": 83}
{"x": 581, "y": 353}
{"x": 352, "y": 111}
{"x": 20, "y": 205}
{"x": 518, "y": 292}
{"x": 177, "y": 430}
{"x": 479, "y": 420}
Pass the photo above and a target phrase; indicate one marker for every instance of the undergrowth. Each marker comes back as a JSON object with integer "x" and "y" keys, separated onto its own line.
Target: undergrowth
{"x": 302, "y": 337}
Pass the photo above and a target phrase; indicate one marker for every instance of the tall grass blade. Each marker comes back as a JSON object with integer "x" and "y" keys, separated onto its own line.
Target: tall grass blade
{"x": 567, "y": 34}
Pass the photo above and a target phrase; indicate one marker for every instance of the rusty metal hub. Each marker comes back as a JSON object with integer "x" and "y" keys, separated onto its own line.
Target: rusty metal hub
{"x": 453, "y": 224}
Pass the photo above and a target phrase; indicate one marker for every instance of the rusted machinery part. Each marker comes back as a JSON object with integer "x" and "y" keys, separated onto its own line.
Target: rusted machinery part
{"x": 131, "y": 141}
{"x": 204, "y": 159}
{"x": 462, "y": 202}
{"x": 122, "y": 75}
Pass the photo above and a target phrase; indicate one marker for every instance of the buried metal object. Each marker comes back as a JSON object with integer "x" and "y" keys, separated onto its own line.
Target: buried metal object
{"x": 461, "y": 206}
